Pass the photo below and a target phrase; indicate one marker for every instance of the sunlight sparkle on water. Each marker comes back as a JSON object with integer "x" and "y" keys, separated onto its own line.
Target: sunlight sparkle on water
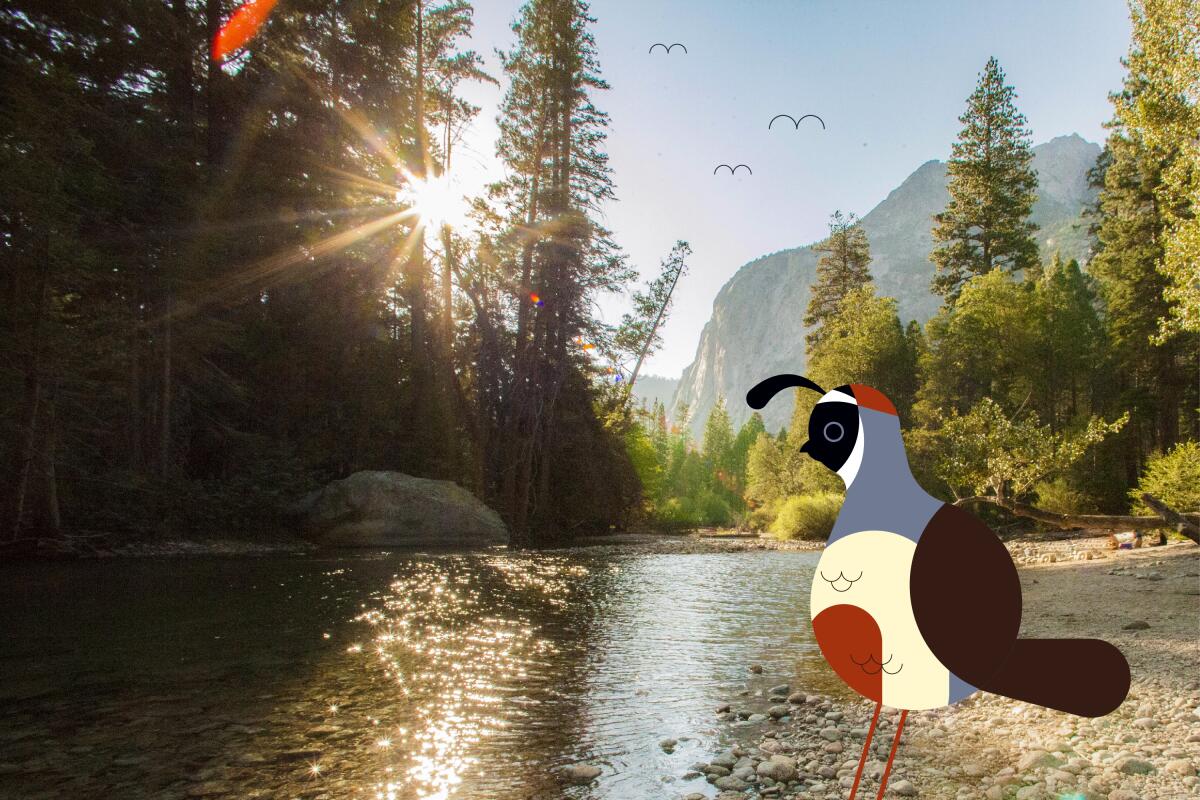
{"x": 451, "y": 667}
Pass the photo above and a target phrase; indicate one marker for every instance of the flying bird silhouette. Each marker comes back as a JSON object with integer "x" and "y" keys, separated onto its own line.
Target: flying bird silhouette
{"x": 667, "y": 48}
{"x": 795, "y": 122}
{"x": 733, "y": 170}
{"x": 916, "y": 603}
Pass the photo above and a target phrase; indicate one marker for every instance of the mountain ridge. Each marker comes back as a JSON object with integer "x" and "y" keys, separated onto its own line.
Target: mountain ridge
{"x": 756, "y": 327}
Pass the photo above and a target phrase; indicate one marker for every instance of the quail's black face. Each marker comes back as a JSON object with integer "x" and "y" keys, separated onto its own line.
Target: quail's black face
{"x": 832, "y": 431}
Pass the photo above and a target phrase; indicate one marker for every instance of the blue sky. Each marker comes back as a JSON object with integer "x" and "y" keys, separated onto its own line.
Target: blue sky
{"x": 889, "y": 78}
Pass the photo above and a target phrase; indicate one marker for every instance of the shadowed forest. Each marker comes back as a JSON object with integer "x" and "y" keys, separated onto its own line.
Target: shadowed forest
{"x": 229, "y": 281}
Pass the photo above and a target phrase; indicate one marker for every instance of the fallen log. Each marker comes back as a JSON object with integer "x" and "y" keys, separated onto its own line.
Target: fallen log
{"x": 1187, "y": 524}
{"x": 1188, "y": 527}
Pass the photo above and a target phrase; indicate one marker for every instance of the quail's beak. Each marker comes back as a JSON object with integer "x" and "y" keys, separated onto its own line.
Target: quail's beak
{"x": 804, "y": 447}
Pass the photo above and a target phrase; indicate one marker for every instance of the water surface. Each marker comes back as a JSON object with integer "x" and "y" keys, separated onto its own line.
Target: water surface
{"x": 388, "y": 675}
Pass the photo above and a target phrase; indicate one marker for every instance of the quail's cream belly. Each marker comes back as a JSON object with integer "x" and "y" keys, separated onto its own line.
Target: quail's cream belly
{"x": 870, "y": 570}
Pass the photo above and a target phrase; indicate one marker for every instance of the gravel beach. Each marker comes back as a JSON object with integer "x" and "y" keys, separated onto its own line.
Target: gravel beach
{"x": 793, "y": 744}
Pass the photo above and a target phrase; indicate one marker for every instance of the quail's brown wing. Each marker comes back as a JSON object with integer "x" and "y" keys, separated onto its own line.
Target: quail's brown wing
{"x": 965, "y": 593}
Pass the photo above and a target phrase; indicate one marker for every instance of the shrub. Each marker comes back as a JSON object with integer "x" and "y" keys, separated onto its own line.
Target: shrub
{"x": 807, "y": 516}
{"x": 711, "y": 510}
{"x": 1173, "y": 478}
{"x": 705, "y": 509}
{"x": 1060, "y": 497}
{"x": 761, "y": 518}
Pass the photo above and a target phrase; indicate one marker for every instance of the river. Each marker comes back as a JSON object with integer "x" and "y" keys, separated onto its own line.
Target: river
{"x": 389, "y": 675}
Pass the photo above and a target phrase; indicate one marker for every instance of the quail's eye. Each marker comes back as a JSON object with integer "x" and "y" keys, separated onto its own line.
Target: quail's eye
{"x": 834, "y": 431}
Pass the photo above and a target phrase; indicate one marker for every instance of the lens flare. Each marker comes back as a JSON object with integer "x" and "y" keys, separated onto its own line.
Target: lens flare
{"x": 241, "y": 28}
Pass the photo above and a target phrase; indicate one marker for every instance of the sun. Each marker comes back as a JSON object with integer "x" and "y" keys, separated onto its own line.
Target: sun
{"x": 438, "y": 201}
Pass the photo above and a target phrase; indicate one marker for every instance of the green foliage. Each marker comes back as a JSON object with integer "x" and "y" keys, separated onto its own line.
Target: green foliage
{"x": 982, "y": 346}
{"x": 638, "y": 334}
{"x": 865, "y": 343}
{"x": 646, "y": 459}
{"x": 739, "y": 455}
{"x": 1161, "y": 106}
{"x": 1069, "y": 343}
{"x": 987, "y": 453}
{"x": 1152, "y": 378}
{"x": 807, "y": 516}
{"x": 1172, "y": 477}
{"x": 992, "y": 190}
{"x": 844, "y": 267}
{"x": 767, "y": 477}
{"x": 1060, "y": 497}
{"x": 683, "y": 486}
{"x": 718, "y": 439}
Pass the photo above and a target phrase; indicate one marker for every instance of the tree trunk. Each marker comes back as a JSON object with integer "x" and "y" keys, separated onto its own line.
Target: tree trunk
{"x": 653, "y": 330}
{"x": 1188, "y": 527}
{"x": 31, "y": 402}
{"x": 215, "y": 138}
{"x": 1109, "y": 522}
{"x": 164, "y": 403}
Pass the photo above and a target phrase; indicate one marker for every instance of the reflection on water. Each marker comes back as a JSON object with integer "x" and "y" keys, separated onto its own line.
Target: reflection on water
{"x": 389, "y": 675}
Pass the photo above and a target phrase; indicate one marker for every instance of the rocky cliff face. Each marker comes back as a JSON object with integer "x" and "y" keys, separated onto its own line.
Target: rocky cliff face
{"x": 756, "y": 327}
{"x": 651, "y": 388}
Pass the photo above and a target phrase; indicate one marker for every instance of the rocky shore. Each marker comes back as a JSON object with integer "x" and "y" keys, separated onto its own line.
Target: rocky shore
{"x": 789, "y": 743}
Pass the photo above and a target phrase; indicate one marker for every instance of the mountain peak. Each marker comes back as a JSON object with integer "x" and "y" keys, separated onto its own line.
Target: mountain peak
{"x": 756, "y": 327}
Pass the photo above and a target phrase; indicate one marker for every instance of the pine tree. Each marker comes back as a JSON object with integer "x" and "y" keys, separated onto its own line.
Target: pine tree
{"x": 747, "y": 435}
{"x": 1070, "y": 341}
{"x": 1153, "y": 379}
{"x": 992, "y": 190}
{"x": 865, "y": 343}
{"x": 844, "y": 267}
{"x": 1161, "y": 105}
{"x": 552, "y": 246}
{"x": 717, "y": 447}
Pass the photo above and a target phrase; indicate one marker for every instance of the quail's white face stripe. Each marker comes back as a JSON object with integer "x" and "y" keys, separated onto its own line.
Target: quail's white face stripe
{"x": 834, "y": 396}
{"x": 850, "y": 469}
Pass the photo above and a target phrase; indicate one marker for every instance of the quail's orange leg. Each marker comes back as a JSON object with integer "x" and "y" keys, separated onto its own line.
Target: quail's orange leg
{"x": 862, "y": 760}
{"x": 891, "y": 756}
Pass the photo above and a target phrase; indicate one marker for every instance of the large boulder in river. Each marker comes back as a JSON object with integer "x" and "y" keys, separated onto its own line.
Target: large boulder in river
{"x": 388, "y": 509}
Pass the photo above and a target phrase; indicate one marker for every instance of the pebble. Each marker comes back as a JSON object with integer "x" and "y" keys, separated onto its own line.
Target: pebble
{"x": 731, "y": 782}
{"x": 1133, "y": 766}
{"x": 580, "y": 774}
{"x": 1181, "y": 766}
{"x": 756, "y": 669}
{"x": 902, "y": 788}
{"x": 1037, "y": 758}
{"x": 1136, "y": 625}
{"x": 778, "y": 768}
